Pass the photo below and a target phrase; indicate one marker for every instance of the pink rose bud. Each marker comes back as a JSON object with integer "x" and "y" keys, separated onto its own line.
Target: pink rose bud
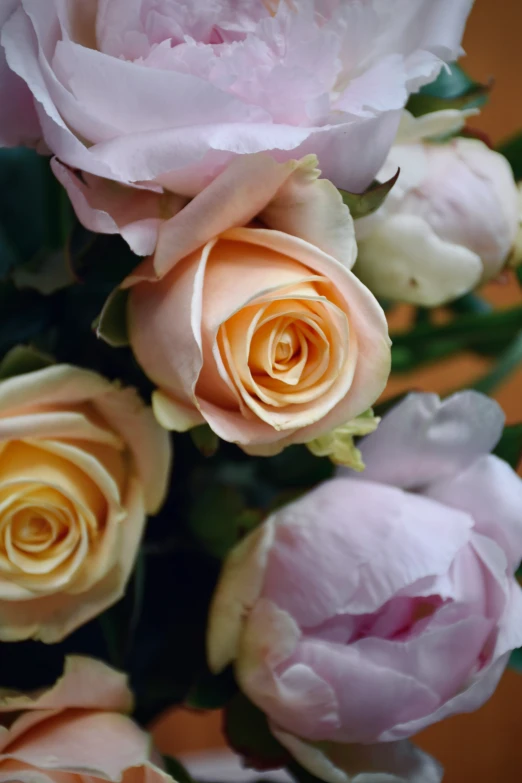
{"x": 76, "y": 731}
{"x": 248, "y": 317}
{"x": 149, "y": 98}
{"x": 450, "y": 225}
{"x": 381, "y": 603}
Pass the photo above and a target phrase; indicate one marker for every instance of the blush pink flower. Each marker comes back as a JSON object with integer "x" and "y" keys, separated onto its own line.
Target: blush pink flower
{"x": 160, "y": 95}
{"x": 75, "y": 731}
{"x": 381, "y": 603}
{"x": 248, "y": 317}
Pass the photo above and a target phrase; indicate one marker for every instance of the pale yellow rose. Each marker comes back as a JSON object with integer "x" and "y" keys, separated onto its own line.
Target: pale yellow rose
{"x": 75, "y": 732}
{"x": 82, "y": 462}
{"x": 248, "y": 317}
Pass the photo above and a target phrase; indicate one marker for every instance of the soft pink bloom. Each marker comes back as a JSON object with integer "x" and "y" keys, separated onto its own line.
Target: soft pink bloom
{"x": 448, "y": 226}
{"x": 380, "y": 603}
{"x": 162, "y": 94}
{"x": 248, "y": 316}
{"x": 82, "y": 463}
{"x": 77, "y": 731}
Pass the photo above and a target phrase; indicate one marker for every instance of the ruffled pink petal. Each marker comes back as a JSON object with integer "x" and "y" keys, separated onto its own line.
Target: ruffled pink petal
{"x": 424, "y": 440}
{"x": 491, "y": 492}
{"x": 107, "y": 207}
{"x": 347, "y": 529}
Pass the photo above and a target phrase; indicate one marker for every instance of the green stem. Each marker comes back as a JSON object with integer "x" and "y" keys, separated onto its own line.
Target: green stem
{"x": 508, "y": 362}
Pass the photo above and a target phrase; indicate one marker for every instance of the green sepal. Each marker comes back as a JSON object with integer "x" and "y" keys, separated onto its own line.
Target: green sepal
{"x": 23, "y": 359}
{"x": 176, "y": 770}
{"x": 219, "y": 519}
{"x": 364, "y": 204}
{"x": 511, "y": 149}
{"x": 205, "y": 440}
{"x": 212, "y": 691}
{"x": 248, "y": 733}
{"x": 111, "y": 324}
{"x": 453, "y": 89}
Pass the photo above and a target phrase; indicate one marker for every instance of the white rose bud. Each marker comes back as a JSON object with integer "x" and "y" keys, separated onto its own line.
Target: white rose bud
{"x": 449, "y": 224}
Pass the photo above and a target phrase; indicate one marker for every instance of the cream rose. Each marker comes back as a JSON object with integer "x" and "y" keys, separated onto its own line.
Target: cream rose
{"x": 82, "y": 462}
{"x": 76, "y": 731}
{"x": 248, "y": 316}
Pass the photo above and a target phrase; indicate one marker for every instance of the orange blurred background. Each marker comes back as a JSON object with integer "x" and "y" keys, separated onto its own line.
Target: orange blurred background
{"x": 486, "y": 746}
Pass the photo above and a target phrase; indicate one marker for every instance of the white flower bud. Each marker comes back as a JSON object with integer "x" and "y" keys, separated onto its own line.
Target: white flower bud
{"x": 449, "y": 225}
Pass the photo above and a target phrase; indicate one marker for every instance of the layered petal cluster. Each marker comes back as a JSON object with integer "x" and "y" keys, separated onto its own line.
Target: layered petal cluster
{"x": 381, "y": 603}
{"x": 160, "y": 95}
{"x": 75, "y": 731}
{"x": 82, "y": 462}
{"x": 248, "y": 316}
{"x": 449, "y": 225}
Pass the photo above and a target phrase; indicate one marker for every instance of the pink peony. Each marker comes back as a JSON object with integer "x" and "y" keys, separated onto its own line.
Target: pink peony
{"x": 161, "y": 94}
{"x": 379, "y": 604}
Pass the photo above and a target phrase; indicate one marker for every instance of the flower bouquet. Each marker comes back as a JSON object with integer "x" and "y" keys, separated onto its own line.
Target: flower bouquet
{"x": 210, "y": 215}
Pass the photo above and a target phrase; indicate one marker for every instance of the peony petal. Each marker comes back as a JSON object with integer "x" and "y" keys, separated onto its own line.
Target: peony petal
{"x": 404, "y": 259}
{"x": 379, "y": 537}
{"x": 107, "y": 207}
{"x": 26, "y": 59}
{"x": 386, "y": 762}
{"x": 424, "y": 440}
{"x": 491, "y": 492}
{"x": 20, "y": 124}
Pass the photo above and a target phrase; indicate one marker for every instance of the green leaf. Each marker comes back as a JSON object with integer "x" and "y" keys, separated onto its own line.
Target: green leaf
{"x": 509, "y": 361}
{"x": 471, "y": 303}
{"x": 119, "y": 623}
{"x": 453, "y": 89}
{"x": 25, "y": 315}
{"x": 176, "y": 770}
{"x": 23, "y": 359}
{"x": 364, "y": 204}
{"x": 23, "y": 177}
{"x": 46, "y": 274}
{"x": 247, "y": 731}
{"x": 111, "y": 325}
{"x": 515, "y": 661}
{"x": 509, "y": 447}
{"x": 512, "y": 150}
{"x": 219, "y": 519}
{"x": 212, "y": 691}
{"x": 205, "y": 440}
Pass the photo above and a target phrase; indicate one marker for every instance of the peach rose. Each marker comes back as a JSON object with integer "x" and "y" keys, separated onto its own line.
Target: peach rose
{"x": 75, "y": 731}
{"x": 248, "y": 316}
{"x": 82, "y": 462}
